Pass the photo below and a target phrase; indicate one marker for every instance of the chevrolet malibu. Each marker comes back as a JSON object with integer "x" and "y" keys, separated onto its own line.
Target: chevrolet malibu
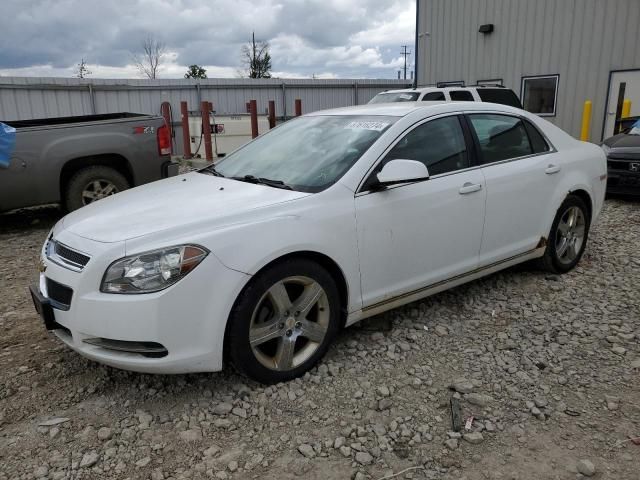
{"x": 330, "y": 218}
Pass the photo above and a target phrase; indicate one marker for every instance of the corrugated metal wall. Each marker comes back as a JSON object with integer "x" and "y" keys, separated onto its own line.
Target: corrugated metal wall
{"x": 581, "y": 40}
{"x": 23, "y": 98}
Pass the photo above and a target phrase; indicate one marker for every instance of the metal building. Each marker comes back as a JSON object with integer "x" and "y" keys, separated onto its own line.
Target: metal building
{"x": 555, "y": 54}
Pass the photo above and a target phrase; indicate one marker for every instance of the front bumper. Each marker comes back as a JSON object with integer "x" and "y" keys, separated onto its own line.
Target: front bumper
{"x": 187, "y": 319}
{"x": 623, "y": 175}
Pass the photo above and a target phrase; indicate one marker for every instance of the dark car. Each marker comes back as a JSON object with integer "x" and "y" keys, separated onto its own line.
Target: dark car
{"x": 623, "y": 159}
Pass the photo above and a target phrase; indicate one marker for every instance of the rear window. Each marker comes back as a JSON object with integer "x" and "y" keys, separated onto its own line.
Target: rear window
{"x": 393, "y": 97}
{"x": 461, "y": 96}
{"x": 503, "y": 96}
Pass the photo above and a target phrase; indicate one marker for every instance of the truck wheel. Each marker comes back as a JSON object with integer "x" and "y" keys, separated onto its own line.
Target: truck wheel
{"x": 283, "y": 322}
{"x": 93, "y": 183}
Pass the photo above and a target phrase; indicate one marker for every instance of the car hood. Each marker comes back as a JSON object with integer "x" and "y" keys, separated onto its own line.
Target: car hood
{"x": 623, "y": 140}
{"x": 172, "y": 203}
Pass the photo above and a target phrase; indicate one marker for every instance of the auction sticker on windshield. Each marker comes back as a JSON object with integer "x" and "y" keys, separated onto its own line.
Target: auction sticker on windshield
{"x": 377, "y": 126}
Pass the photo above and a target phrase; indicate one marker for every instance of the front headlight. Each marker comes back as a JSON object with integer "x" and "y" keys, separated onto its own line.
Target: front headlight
{"x": 151, "y": 271}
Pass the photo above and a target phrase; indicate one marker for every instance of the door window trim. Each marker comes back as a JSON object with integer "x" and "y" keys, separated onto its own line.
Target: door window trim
{"x": 471, "y": 152}
{"x": 476, "y": 140}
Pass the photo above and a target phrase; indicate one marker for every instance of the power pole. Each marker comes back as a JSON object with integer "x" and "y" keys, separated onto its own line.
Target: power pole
{"x": 405, "y": 53}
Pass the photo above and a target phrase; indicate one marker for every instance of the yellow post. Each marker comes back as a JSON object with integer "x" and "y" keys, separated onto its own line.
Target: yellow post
{"x": 586, "y": 121}
{"x": 626, "y": 108}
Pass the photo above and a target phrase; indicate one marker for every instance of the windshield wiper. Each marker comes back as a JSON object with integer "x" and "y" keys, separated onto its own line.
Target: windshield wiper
{"x": 263, "y": 181}
{"x": 212, "y": 170}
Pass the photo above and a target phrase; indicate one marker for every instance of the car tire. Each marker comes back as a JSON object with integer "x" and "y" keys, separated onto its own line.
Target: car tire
{"x": 91, "y": 184}
{"x": 568, "y": 236}
{"x": 283, "y": 321}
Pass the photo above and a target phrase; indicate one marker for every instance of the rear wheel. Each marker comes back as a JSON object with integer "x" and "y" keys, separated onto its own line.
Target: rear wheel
{"x": 92, "y": 184}
{"x": 284, "y": 321}
{"x": 568, "y": 236}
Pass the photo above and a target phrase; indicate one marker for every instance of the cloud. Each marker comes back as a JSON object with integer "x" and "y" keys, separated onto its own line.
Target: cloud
{"x": 332, "y": 38}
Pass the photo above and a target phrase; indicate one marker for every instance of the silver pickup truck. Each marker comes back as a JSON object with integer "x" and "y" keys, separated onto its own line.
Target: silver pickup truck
{"x": 78, "y": 160}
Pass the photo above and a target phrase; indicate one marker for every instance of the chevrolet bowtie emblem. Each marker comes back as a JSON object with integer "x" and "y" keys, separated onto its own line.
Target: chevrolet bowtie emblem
{"x": 42, "y": 266}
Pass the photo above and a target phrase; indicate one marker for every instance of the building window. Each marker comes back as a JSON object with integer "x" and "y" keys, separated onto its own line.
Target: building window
{"x": 540, "y": 94}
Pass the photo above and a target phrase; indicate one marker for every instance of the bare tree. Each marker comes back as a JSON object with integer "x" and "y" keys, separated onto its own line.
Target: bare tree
{"x": 149, "y": 60}
{"x": 82, "y": 70}
{"x": 256, "y": 58}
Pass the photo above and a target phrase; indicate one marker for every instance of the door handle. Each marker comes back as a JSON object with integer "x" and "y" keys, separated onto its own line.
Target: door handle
{"x": 551, "y": 169}
{"x": 469, "y": 187}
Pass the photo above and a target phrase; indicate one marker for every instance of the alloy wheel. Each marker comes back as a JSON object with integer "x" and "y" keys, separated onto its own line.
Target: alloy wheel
{"x": 97, "y": 189}
{"x": 289, "y": 323}
{"x": 570, "y": 235}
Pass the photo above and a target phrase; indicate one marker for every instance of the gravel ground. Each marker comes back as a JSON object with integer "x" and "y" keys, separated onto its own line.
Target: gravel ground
{"x": 548, "y": 366}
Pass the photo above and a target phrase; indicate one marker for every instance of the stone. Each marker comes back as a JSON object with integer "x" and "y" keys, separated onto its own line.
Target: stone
{"x": 89, "y": 459}
{"x": 53, "y": 421}
{"x": 364, "y": 458}
{"x": 462, "y": 385}
{"x": 143, "y": 462}
{"x": 384, "y": 404}
{"x": 586, "y": 468}
{"x": 41, "y": 472}
{"x": 239, "y": 412}
{"x": 190, "y": 435}
{"x": 384, "y": 391}
{"x": 618, "y": 350}
{"x": 307, "y": 450}
{"x": 212, "y": 451}
{"x": 232, "y": 466}
{"x": 473, "y": 437}
{"x": 479, "y": 399}
{"x": 441, "y": 330}
{"x": 105, "y": 433}
{"x": 451, "y": 443}
{"x": 222, "y": 408}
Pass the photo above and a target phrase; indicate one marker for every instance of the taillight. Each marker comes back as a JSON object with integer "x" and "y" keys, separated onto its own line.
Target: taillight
{"x": 164, "y": 140}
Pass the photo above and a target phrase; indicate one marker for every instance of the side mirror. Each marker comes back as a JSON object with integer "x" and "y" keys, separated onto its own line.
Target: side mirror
{"x": 402, "y": 171}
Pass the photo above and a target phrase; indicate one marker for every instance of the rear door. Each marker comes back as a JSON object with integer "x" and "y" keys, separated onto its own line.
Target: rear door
{"x": 414, "y": 235}
{"x": 521, "y": 172}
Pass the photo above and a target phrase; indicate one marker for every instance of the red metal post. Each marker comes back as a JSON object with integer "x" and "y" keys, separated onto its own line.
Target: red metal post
{"x": 206, "y": 130}
{"x": 272, "y": 113}
{"x": 298, "y": 107}
{"x": 186, "y": 137}
{"x": 253, "y": 110}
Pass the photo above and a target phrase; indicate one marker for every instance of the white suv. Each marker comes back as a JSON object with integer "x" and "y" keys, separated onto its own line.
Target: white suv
{"x": 476, "y": 93}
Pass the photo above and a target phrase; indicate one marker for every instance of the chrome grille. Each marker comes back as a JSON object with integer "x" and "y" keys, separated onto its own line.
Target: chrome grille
{"x": 66, "y": 256}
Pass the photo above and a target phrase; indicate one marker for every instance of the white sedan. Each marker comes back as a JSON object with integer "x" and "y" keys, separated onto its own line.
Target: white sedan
{"x": 330, "y": 218}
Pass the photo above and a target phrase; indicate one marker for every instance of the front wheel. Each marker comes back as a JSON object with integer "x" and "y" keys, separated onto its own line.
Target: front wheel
{"x": 284, "y": 321}
{"x": 568, "y": 236}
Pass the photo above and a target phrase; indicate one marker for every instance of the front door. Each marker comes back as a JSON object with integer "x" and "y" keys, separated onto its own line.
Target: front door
{"x": 414, "y": 235}
{"x": 624, "y": 85}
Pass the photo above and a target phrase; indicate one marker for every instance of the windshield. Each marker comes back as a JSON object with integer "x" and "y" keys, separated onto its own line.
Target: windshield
{"x": 389, "y": 97}
{"x": 308, "y": 153}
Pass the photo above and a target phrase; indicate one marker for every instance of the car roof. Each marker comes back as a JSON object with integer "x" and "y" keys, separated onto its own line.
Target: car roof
{"x": 402, "y": 109}
{"x": 440, "y": 89}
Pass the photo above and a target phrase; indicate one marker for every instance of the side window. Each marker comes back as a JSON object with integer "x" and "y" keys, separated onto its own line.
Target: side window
{"x": 501, "y": 137}
{"x": 538, "y": 143}
{"x": 461, "y": 96}
{"x": 503, "y": 96}
{"x": 433, "y": 96}
{"x": 439, "y": 144}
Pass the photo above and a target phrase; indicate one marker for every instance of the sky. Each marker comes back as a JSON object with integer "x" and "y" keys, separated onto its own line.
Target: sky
{"x": 321, "y": 38}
